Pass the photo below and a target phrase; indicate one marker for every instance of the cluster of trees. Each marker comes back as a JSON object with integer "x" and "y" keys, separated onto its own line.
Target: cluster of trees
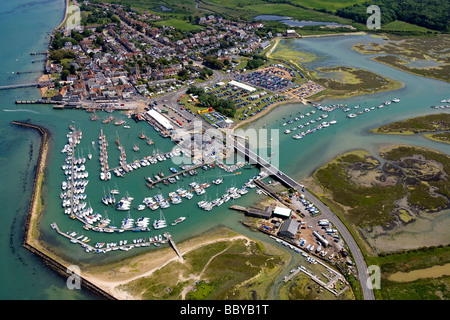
{"x": 431, "y": 14}
{"x": 214, "y": 63}
{"x": 225, "y": 107}
{"x": 61, "y": 54}
{"x": 96, "y": 16}
{"x": 256, "y": 62}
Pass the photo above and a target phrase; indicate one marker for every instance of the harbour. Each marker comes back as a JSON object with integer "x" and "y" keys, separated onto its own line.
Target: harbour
{"x": 344, "y": 136}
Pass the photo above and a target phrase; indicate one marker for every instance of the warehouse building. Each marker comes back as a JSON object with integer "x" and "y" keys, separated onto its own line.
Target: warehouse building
{"x": 289, "y": 228}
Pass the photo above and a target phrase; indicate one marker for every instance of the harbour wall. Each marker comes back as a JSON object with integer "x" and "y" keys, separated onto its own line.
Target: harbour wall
{"x": 32, "y": 216}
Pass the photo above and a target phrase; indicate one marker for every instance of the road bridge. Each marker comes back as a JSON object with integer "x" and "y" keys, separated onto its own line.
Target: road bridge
{"x": 263, "y": 163}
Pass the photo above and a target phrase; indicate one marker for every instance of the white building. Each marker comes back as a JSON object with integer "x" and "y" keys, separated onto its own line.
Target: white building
{"x": 160, "y": 119}
{"x": 242, "y": 86}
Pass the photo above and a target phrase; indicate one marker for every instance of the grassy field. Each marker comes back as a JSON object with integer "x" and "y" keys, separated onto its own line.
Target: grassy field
{"x": 404, "y": 26}
{"x": 179, "y": 24}
{"x": 250, "y": 271}
{"x": 350, "y": 82}
{"x": 426, "y": 288}
{"x": 249, "y": 8}
{"x": 330, "y": 5}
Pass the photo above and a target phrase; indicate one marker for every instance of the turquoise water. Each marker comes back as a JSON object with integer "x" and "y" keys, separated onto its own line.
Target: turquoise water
{"x": 26, "y": 25}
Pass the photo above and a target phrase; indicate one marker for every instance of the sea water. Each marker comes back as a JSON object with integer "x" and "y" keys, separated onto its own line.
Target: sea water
{"x": 26, "y": 26}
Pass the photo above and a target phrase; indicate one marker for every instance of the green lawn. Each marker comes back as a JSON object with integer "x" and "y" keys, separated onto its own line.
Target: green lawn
{"x": 179, "y": 24}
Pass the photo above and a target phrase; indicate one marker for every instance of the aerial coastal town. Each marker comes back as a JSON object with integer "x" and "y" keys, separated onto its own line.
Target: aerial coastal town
{"x": 194, "y": 84}
{"x": 130, "y": 62}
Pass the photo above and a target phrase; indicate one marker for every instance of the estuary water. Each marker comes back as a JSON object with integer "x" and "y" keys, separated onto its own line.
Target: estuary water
{"x": 26, "y": 26}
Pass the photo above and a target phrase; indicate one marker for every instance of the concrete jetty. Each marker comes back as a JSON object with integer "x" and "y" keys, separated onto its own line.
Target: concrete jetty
{"x": 172, "y": 243}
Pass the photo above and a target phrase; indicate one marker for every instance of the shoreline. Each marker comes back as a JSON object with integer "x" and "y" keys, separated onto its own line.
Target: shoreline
{"x": 246, "y": 122}
{"x": 65, "y": 15}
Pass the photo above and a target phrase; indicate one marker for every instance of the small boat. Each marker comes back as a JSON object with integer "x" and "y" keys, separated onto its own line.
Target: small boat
{"x": 136, "y": 147}
{"x": 351, "y": 115}
{"x": 180, "y": 219}
{"x": 396, "y": 100}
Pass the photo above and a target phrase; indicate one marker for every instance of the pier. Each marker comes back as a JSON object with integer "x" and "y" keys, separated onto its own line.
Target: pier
{"x": 38, "y": 101}
{"x": 178, "y": 173}
{"x": 124, "y": 247}
{"x": 23, "y": 85}
{"x": 172, "y": 243}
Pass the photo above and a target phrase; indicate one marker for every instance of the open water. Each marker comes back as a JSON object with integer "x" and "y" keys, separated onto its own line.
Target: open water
{"x": 26, "y": 25}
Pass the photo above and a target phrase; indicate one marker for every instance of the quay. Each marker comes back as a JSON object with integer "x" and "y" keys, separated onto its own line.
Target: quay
{"x": 335, "y": 276}
{"x": 30, "y": 242}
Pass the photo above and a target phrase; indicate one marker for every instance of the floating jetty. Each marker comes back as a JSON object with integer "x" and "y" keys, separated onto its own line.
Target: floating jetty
{"x": 98, "y": 248}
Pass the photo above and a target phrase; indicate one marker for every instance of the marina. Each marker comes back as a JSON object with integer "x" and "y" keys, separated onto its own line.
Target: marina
{"x": 102, "y": 247}
{"x": 417, "y": 96}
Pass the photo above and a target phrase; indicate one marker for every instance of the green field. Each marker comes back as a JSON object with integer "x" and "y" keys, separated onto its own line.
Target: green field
{"x": 426, "y": 288}
{"x": 404, "y": 26}
{"x": 202, "y": 274}
{"x": 179, "y": 24}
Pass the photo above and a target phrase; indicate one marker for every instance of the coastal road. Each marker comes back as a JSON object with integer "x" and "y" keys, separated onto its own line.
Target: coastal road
{"x": 349, "y": 240}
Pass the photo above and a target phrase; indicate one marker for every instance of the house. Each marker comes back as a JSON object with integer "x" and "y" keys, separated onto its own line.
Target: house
{"x": 291, "y": 34}
{"x": 289, "y": 228}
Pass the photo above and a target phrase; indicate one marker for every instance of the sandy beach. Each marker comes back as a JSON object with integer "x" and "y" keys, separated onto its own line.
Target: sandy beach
{"x": 144, "y": 265}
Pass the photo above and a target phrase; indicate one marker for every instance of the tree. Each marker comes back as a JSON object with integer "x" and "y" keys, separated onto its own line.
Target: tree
{"x": 214, "y": 63}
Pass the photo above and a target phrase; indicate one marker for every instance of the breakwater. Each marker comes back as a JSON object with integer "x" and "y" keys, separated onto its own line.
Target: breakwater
{"x": 29, "y": 242}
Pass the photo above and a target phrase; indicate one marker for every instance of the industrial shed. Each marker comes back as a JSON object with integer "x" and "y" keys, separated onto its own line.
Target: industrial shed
{"x": 289, "y": 228}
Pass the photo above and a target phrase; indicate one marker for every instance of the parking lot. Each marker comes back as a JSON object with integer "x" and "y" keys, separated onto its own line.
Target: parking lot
{"x": 303, "y": 91}
{"x": 275, "y": 77}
